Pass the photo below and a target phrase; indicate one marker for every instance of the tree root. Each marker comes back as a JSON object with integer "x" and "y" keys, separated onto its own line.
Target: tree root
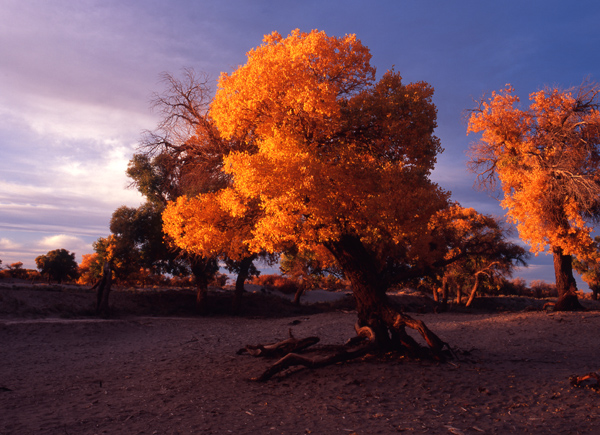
{"x": 354, "y": 348}
{"x": 280, "y": 348}
{"x": 377, "y": 337}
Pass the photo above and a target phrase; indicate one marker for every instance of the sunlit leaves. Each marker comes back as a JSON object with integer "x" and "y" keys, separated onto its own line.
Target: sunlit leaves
{"x": 546, "y": 158}
{"x": 334, "y": 152}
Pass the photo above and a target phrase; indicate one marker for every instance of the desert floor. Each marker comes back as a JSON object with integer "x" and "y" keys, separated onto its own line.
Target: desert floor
{"x": 64, "y": 371}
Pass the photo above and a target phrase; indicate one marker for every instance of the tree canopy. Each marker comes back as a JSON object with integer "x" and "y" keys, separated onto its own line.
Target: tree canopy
{"x": 57, "y": 265}
{"x": 469, "y": 248}
{"x": 547, "y": 160}
{"x": 340, "y": 160}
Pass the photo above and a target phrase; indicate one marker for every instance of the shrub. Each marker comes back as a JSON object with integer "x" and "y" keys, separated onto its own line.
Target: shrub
{"x": 277, "y": 282}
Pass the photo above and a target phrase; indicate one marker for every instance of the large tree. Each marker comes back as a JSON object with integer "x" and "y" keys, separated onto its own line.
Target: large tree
{"x": 547, "y": 160}
{"x": 341, "y": 161}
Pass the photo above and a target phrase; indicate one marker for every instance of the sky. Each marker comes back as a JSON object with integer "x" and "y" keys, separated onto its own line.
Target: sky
{"x": 77, "y": 78}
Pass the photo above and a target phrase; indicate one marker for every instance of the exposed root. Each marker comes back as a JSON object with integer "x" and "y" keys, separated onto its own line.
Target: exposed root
{"x": 400, "y": 321}
{"x": 280, "y": 348}
{"x": 379, "y": 330}
{"x": 355, "y": 348}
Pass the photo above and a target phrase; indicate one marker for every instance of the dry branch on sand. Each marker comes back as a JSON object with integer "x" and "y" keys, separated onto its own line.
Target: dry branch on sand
{"x": 365, "y": 342}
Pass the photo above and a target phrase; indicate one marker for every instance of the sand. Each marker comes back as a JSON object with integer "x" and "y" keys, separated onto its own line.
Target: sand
{"x": 71, "y": 373}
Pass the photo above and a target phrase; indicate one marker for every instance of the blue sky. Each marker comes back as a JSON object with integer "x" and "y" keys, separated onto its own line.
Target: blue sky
{"x": 76, "y": 79}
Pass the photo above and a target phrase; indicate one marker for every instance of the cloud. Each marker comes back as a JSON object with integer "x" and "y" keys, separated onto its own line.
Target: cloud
{"x": 61, "y": 241}
{"x": 8, "y": 245}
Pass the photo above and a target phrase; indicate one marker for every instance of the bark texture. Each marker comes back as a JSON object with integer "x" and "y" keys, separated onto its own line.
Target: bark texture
{"x": 565, "y": 282}
{"x": 375, "y": 310}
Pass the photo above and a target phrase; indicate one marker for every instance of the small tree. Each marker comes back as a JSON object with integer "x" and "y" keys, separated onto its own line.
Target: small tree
{"x": 90, "y": 269}
{"x": 57, "y": 265}
{"x": 16, "y": 270}
{"x": 472, "y": 250}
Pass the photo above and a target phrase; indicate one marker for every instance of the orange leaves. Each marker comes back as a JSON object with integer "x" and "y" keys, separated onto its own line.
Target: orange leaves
{"x": 332, "y": 152}
{"x": 209, "y": 225}
{"x": 291, "y": 83}
{"x": 547, "y": 160}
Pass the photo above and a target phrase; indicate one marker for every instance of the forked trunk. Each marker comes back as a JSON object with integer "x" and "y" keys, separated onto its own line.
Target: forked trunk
{"x": 565, "y": 282}
{"x": 374, "y": 308}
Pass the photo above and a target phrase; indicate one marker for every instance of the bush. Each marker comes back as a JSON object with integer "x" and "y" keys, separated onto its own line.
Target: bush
{"x": 277, "y": 282}
{"x": 541, "y": 289}
{"x": 219, "y": 280}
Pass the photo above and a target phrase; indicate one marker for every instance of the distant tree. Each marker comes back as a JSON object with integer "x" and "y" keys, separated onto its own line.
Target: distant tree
{"x": 90, "y": 268}
{"x": 57, "y": 265}
{"x": 308, "y": 268}
{"x": 589, "y": 268}
{"x": 547, "y": 160}
{"x": 183, "y": 159}
{"x": 16, "y": 270}
{"x": 472, "y": 249}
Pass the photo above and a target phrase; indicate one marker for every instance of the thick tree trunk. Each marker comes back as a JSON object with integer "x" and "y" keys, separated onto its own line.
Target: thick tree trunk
{"x": 239, "y": 283}
{"x": 374, "y": 308}
{"x": 565, "y": 282}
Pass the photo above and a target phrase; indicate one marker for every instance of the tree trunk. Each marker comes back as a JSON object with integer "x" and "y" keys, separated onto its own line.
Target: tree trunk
{"x": 202, "y": 269}
{"x": 458, "y": 294}
{"x": 239, "y": 283}
{"x": 299, "y": 292}
{"x": 473, "y": 290}
{"x": 104, "y": 290}
{"x": 374, "y": 308}
{"x": 436, "y": 293}
{"x": 445, "y": 285}
{"x": 565, "y": 282}
{"x": 595, "y": 290}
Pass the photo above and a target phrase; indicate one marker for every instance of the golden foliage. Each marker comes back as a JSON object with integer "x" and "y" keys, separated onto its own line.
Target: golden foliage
{"x": 547, "y": 160}
{"x": 334, "y": 152}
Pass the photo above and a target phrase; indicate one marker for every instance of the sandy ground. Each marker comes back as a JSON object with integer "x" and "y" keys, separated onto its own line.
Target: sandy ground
{"x": 65, "y": 373}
